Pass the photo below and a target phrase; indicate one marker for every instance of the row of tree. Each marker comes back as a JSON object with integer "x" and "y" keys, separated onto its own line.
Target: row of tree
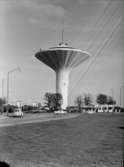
{"x": 54, "y": 101}
{"x": 104, "y": 99}
{"x": 87, "y": 100}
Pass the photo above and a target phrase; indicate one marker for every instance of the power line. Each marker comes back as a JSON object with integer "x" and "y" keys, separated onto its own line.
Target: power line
{"x": 100, "y": 50}
{"x": 102, "y": 15}
{"x": 100, "y": 21}
{"x": 110, "y": 18}
{"x": 104, "y": 33}
{"x": 103, "y": 27}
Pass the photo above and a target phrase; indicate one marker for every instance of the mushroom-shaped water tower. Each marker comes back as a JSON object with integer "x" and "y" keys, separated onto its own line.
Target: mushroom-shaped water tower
{"x": 62, "y": 59}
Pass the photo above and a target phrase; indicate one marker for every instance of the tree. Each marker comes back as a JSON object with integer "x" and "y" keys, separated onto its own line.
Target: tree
{"x": 57, "y": 101}
{"x": 39, "y": 105}
{"x": 110, "y": 100}
{"x": 48, "y": 100}
{"x": 79, "y": 102}
{"x": 101, "y": 99}
{"x": 88, "y": 100}
{"x": 2, "y": 101}
{"x": 53, "y": 101}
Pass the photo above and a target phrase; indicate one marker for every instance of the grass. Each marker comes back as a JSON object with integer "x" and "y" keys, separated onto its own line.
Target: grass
{"x": 94, "y": 140}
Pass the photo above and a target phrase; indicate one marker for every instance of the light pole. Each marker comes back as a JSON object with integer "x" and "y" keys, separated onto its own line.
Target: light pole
{"x": 112, "y": 93}
{"x": 2, "y": 87}
{"x": 8, "y": 77}
{"x": 122, "y": 96}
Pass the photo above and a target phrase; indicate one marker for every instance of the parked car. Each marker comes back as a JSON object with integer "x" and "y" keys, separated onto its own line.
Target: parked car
{"x": 60, "y": 112}
{"x": 17, "y": 112}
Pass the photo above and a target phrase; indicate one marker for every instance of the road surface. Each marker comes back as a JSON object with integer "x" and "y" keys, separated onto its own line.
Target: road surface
{"x": 32, "y": 118}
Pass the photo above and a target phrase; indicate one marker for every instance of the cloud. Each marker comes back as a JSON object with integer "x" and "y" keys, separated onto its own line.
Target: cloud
{"x": 45, "y": 14}
{"x": 7, "y": 5}
{"x": 94, "y": 1}
{"x": 53, "y": 10}
{"x": 42, "y": 8}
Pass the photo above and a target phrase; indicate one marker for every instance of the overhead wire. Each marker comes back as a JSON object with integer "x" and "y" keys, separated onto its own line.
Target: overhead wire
{"x": 97, "y": 35}
{"x": 103, "y": 30}
{"x": 101, "y": 49}
{"x": 105, "y": 23}
{"x": 99, "y": 21}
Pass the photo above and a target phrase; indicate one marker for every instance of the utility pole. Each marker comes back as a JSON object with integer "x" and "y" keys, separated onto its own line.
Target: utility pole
{"x": 120, "y": 97}
{"x": 2, "y": 102}
{"x": 112, "y": 93}
{"x": 7, "y": 88}
{"x": 2, "y": 87}
{"x": 123, "y": 96}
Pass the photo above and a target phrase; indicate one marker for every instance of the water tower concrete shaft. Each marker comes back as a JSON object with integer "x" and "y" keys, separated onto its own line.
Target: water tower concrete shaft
{"x": 62, "y": 60}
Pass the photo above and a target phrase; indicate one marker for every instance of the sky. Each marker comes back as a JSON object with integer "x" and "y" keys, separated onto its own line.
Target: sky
{"x": 95, "y": 26}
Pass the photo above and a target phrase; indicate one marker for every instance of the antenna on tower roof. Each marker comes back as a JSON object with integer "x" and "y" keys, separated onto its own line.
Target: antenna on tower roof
{"x": 62, "y": 43}
{"x": 63, "y": 31}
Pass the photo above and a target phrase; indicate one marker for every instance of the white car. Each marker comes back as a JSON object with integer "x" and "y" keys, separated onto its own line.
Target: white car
{"x": 16, "y": 113}
{"x": 90, "y": 111}
{"x": 60, "y": 112}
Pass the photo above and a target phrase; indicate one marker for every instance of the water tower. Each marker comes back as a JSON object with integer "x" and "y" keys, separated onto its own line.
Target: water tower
{"x": 62, "y": 59}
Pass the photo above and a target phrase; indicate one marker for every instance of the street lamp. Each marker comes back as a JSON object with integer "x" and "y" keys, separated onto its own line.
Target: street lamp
{"x": 8, "y": 76}
{"x": 112, "y": 93}
{"x": 2, "y": 87}
{"x": 122, "y": 93}
{"x": 122, "y": 96}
